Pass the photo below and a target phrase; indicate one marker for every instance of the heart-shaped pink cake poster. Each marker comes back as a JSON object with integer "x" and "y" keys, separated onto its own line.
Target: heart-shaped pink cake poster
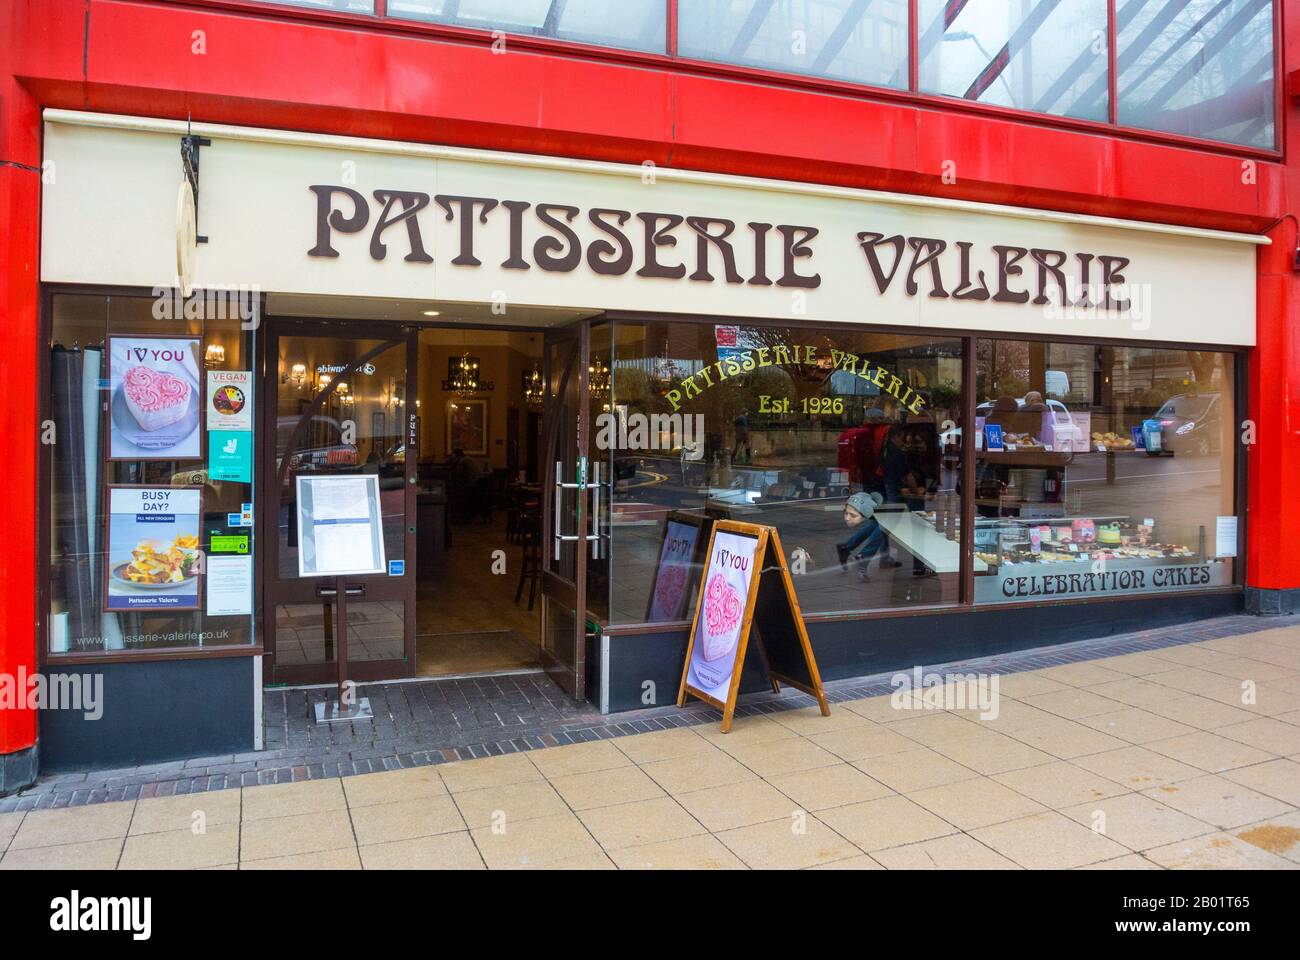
{"x": 668, "y": 591}
{"x": 155, "y": 399}
{"x": 722, "y": 607}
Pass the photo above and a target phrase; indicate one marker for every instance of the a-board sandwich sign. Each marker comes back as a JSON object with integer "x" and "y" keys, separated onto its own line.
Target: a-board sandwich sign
{"x": 746, "y": 586}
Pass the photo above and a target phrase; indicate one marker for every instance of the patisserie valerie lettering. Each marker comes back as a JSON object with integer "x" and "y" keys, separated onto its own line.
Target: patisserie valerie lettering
{"x": 559, "y": 237}
{"x": 798, "y": 354}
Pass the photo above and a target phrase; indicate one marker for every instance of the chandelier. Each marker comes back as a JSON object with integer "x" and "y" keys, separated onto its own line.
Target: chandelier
{"x": 534, "y": 392}
{"x": 598, "y": 378}
{"x": 464, "y": 375}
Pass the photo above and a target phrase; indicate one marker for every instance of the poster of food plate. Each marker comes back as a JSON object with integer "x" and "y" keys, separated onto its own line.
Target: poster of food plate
{"x": 154, "y": 560}
{"x": 155, "y": 403}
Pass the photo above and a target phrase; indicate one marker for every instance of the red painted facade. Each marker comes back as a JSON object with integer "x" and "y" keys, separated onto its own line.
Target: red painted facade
{"x": 243, "y": 63}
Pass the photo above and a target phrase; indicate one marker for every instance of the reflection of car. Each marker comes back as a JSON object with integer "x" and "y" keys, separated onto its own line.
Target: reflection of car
{"x": 1063, "y": 425}
{"x": 392, "y": 467}
{"x": 320, "y": 446}
{"x": 625, "y": 467}
{"x": 1190, "y": 423}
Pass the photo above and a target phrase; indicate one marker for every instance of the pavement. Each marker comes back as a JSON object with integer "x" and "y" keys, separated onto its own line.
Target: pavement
{"x": 1178, "y": 756}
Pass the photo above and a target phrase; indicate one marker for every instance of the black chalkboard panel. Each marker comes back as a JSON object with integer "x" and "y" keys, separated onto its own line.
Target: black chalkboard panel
{"x": 778, "y": 631}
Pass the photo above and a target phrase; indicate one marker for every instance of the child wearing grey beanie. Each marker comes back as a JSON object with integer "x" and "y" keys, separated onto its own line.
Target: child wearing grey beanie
{"x": 867, "y": 538}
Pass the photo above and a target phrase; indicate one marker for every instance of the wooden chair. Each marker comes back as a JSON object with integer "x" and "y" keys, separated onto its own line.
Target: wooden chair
{"x": 529, "y": 531}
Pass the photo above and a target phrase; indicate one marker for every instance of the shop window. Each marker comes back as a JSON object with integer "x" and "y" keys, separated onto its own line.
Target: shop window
{"x": 792, "y": 427}
{"x": 1042, "y": 56}
{"x": 627, "y": 24}
{"x": 1102, "y": 471}
{"x": 842, "y": 39}
{"x": 150, "y": 474}
{"x": 1200, "y": 68}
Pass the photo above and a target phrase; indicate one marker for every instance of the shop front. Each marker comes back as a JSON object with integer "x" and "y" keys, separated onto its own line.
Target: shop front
{"x": 976, "y": 428}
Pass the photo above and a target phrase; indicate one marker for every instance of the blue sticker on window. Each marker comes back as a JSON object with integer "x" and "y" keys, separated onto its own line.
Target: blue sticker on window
{"x": 396, "y": 568}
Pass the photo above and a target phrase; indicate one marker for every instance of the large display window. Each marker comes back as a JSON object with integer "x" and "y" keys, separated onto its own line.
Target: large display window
{"x": 149, "y": 443}
{"x": 847, "y": 441}
{"x": 1102, "y": 470}
{"x": 1098, "y": 470}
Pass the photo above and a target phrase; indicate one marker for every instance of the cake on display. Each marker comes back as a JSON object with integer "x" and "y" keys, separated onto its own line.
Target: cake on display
{"x": 155, "y": 399}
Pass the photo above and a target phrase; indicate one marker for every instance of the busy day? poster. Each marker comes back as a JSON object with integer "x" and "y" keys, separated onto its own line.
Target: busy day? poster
{"x": 154, "y": 560}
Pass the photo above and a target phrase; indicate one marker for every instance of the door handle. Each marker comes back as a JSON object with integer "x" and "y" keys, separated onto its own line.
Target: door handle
{"x": 322, "y": 591}
{"x": 355, "y": 590}
{"x": 560, "y": 486}
{"x": 595, "y": 537}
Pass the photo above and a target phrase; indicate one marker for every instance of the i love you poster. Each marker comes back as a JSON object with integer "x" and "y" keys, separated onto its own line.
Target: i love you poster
{"x": 722, "y": 613}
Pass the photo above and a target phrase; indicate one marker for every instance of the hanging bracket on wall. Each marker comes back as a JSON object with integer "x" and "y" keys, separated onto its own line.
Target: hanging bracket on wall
{"x": 190, "y": 145}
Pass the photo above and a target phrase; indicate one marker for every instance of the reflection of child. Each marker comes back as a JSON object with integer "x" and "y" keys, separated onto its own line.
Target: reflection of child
{"x": 867, "y": 538}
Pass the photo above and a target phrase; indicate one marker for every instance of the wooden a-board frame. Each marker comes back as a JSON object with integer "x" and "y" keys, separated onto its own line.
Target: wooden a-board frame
{"x": 765, "y": 536}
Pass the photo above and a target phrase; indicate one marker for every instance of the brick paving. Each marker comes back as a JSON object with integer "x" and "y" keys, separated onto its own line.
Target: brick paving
{"x": 420, "y": 723}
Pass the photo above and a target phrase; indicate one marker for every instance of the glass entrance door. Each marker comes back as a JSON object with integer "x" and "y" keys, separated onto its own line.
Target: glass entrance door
{"x": 339, "y": 402}
{"x": 566, "y": 500}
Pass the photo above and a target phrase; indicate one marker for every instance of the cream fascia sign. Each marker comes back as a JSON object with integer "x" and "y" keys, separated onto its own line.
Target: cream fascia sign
{"x": 297, "y": 214}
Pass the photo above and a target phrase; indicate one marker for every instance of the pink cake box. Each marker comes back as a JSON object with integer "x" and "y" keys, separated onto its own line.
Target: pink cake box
{"x": 155, "y": 399}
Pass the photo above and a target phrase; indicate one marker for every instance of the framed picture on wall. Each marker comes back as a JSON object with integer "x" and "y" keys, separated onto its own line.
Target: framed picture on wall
{"x": 154, "y": 404}
{"x": 467, "y": 427}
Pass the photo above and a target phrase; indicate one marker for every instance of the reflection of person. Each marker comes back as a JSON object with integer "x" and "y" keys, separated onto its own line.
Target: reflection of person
{"x": 1034, "y": 402}
{"x": 893, "y": 462}
{"x": 460, "y": 467}
{"x": 893, "y": 469}
{"x": 868, "y": 537}
{"x": 461, "y": 475}
{"x": 742, "y": 440}
{"x": 1003, "y": 411}
{"x": 860, "y": 450}
{"x": 914, "y": 491}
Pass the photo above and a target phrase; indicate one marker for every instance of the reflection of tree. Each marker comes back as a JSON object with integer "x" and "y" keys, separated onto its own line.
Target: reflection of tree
{"x": 802, "y": 380}
{"x": 631, "y": 386}
{"x": 1204, "y": 365}
{"x": 1002, "y": 367}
